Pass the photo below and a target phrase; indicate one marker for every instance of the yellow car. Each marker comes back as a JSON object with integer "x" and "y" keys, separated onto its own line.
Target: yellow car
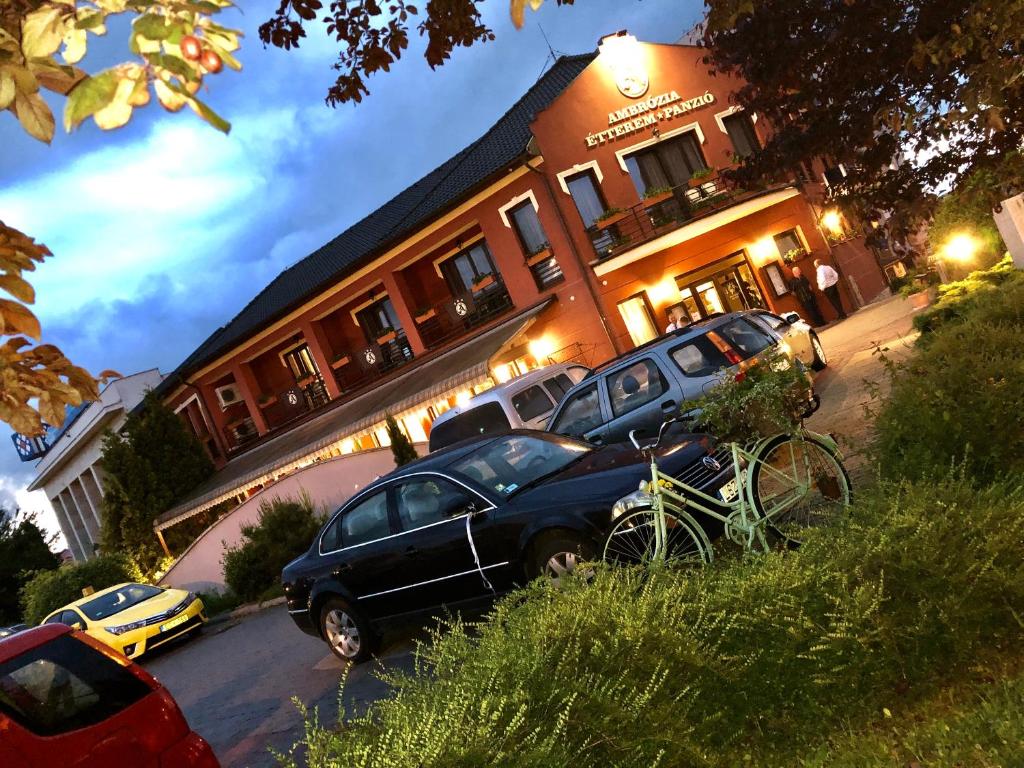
{"x": 133, "y": 618}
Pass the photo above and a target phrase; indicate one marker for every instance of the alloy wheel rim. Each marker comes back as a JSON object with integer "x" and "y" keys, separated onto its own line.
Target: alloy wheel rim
{"x": 343, "y": 633}
{"x": 818, "y": 350}
{"x": 560, "y": 565}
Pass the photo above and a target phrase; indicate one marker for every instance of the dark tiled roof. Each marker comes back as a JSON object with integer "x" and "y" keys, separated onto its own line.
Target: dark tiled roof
{"x": 440, "y": 189}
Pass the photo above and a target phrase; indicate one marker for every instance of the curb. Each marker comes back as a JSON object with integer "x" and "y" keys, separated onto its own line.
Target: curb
{"x": 243, "y": 610}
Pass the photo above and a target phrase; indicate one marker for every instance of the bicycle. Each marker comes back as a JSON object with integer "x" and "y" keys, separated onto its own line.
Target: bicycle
{"x": 781, "y": 485}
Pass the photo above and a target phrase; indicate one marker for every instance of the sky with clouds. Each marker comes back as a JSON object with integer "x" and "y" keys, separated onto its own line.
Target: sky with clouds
{"x": 161, "y": 231}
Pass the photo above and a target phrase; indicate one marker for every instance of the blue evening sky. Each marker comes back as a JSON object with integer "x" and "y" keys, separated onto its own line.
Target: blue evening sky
{"x": 161, "y": 231}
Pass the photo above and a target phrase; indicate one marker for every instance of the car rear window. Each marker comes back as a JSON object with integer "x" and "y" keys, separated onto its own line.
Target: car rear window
{"x": 558, "y": 386}
{"x": 699, "y": 357}
{"x": 532, "y": 403}
{"x": 485, "y": 419}
{"x": 65, "y": 685}
{"x": 745, "y": 337}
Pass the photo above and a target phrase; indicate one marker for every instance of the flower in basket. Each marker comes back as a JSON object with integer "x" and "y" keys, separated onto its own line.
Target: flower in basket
{"x": 703, "y": 173}
{"x": 482, "y": 278}
{"x": 608, "y": 214}
{"x": 652, "y": 192}
{"x": 793, "y": 254}
{"x": 766, "y": 398}
{"x": 540, "y": 249}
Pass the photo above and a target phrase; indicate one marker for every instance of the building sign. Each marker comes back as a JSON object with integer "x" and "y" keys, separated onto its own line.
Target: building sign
{"x": 461, "y": 306}
{"x": 645, "y": 113}
{"x": 369, "y": 357}
{"x": 30, "y": 448}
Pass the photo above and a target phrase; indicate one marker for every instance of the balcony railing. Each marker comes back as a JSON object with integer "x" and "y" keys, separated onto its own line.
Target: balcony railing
{"x": 295, "y": 402}
{"x": 355, "y": 370}
{"x": 659, "y": 214}
{"x": 240, "y": 432}
{"x": 457, "y": 315}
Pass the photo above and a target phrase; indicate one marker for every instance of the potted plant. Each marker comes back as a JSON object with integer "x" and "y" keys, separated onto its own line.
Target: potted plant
{"x": 766, "y": 398}
{"x": 655, "y": 195}
{"x": 539, "y": 254}
{"x": 386, "y": 335}
{"x": 609, "y": 217}
{"x": 483, "y": 281}
{"x": 424, "y": 313}
{"x": 703, "y": 176}
{"x": 340, "y": 359}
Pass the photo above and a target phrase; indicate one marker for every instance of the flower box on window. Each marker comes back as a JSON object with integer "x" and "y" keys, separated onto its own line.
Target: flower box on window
{"x": 655, "y": 196}
{"x": 425, "y": 314}
{"x": 703, "y": 177}
{"x": 340, "y": 361}
{"x": 610, "y": 217}
{"x": 387, "y": 335}
{"x": 305, "y": 382}
{"x": 267, "y": 400}
{"x": 483, "y": 281}
{"x": 538, "y": 256}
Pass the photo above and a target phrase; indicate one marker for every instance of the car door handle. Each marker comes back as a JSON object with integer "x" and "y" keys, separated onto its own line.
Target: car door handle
{"x": 597, "y": 440}
{"x": 411, "y": 551}
{"x": 668, "y": 406}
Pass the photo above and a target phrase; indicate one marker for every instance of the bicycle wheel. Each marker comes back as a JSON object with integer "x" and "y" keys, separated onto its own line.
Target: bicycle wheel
{"x": 798, "y": 482}
{"x": 632, "y": 540}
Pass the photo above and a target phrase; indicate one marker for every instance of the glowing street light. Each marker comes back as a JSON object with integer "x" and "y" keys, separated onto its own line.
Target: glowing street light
{"x": 960, "y": 247}
{"x": 832, "y": 221}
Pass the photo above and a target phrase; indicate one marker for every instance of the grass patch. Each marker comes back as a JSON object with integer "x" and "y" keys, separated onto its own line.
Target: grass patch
{"x": 755, "y": 655}
{"x": 220, "y": 602}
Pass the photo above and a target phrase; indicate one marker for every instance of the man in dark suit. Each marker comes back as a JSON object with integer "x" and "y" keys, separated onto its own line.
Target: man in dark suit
{"x": 801, "y": 288}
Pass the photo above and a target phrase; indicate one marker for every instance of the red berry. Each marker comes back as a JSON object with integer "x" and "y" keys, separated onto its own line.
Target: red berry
{"x": 211, "y": 62}
{"x": 191, "y": 49}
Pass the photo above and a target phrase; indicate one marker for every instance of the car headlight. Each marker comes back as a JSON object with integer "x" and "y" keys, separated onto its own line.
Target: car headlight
{"x": 633, "y": 501}
{"x": 121, "y": 629}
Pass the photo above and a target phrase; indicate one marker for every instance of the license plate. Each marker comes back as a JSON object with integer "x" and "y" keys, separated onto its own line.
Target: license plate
{"x": 176, "y": 622}
{"x": 729, "y": 491}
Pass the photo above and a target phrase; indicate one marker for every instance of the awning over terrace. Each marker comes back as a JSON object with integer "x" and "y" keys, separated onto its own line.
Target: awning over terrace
{"x": 420, "y": 382}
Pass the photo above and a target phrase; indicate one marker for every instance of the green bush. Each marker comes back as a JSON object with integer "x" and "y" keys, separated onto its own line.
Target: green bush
{"x": 49, "y": 590}
{"x": 960, "y": 299}
{"x": 283, "y": 532}
{"x": 960, "y": 398}
{"x": 749, "y": 657}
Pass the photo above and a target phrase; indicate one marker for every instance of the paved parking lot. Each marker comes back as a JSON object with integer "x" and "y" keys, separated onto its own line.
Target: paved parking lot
{"x": 235, "y": 683}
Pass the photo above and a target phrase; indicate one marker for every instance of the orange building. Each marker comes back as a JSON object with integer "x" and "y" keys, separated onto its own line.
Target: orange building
{"x": 566, "y": 232}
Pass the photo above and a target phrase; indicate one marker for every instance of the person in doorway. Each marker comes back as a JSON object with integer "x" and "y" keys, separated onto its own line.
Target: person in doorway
{"x": 677, "y": 318}
{"x": 801, "y": 288}
{"x": 828, "y": 283}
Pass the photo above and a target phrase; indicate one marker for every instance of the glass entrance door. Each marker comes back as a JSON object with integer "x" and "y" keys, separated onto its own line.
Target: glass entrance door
{"x": 726, "y": 286}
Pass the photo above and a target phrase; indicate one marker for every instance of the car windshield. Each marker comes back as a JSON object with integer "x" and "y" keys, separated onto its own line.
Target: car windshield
{"x": 512, "y": 462}
{"x": 118, "y": 600}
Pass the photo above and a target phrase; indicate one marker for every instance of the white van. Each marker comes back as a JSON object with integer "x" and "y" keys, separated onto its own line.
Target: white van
{"x": 524, "y": 402}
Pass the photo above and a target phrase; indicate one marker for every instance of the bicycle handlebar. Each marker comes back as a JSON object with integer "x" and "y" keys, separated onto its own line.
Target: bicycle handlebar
{"x": 661, "y": 433}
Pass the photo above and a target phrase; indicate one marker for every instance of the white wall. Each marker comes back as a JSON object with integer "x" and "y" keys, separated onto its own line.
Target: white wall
{"x": 328, "y": 484}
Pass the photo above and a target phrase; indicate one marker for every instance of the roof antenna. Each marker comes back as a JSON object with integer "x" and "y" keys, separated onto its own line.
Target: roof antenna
{"x": 552, "y": 53}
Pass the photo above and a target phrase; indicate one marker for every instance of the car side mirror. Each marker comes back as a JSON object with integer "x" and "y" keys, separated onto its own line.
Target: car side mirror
{"x": 791, "y": 318}
{"x": 473, "y": 510}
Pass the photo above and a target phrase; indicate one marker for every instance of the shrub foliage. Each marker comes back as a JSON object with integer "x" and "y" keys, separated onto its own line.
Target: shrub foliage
{"x": 24, "y": 549}
{"x": 283, "y": 531}
{"x": 960, "y": 397}
{"x": 49, "y": 590}
{"x": 727, "y": 665}
{"x": 963, "y": 298}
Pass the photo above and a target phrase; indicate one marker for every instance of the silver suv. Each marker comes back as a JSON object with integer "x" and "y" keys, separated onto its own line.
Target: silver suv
{"x": 640, "y": 389}
{"x": 524, "y": 402}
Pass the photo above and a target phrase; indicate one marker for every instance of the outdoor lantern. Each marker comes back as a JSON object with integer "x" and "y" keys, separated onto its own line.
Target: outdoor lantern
{"x": 622, "y": 54}
{"x": 832, "y": 221}
{"x": 961, "y": 247}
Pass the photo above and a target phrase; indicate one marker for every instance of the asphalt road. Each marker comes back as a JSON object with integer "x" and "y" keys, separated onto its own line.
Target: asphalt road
{"x": 235, "y": 683}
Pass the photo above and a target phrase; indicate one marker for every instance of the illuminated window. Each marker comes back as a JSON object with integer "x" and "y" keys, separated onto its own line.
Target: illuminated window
{"x": 789, "y": 241}
{"x": 636, "y": 313}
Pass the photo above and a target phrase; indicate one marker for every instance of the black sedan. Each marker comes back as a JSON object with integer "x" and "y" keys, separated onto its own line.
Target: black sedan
{"x": 463, "y": 525}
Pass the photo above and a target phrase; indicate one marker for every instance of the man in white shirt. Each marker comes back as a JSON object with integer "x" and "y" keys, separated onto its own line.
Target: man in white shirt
{"x": 828, "y": 283}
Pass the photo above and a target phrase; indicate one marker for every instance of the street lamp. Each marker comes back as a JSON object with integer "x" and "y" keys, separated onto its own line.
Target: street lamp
{"x": 832, "y": 221}
{"x": 961, "y": 247}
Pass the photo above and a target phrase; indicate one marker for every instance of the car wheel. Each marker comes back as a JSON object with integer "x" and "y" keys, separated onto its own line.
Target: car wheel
{"x": 347, "y": 633}
{"x": 555, "y": 556}
{"x": 819, "y": 361}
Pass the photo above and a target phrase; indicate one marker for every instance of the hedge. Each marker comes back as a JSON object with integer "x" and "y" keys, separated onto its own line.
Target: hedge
{"x": 49, "y": 590}
{"x": 745, "y": 662}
